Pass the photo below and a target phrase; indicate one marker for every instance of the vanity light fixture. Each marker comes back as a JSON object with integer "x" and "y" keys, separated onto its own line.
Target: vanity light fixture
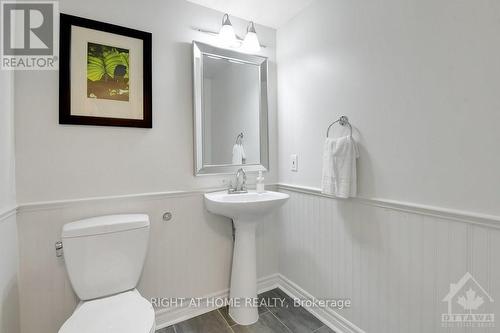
{"x": 251, "y": 42}
{"x": 227, "y": 36}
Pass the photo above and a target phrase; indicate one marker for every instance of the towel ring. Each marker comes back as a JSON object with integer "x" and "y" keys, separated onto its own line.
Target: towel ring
{"x": 343, "y": 121}
{"x": 239, "y": 138}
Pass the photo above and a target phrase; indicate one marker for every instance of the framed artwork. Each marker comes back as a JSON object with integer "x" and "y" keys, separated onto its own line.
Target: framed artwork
{"x": 104, "y": 74}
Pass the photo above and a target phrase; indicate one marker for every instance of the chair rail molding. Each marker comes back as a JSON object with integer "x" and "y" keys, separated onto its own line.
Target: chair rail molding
{"x": 4, "y": 215}
{"x": 484, "y": 220}
{"x": 491, "y": 221}
{"x": 57, "y": 204}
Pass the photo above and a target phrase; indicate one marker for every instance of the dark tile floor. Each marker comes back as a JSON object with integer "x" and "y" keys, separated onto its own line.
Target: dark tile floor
{"x": 281, "y": 317}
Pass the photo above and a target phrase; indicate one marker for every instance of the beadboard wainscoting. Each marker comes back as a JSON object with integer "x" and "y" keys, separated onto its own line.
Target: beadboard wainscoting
{"x": 394, "y": 261}
{"x": 9, "y": 288}
{"x": 189, "y": 256}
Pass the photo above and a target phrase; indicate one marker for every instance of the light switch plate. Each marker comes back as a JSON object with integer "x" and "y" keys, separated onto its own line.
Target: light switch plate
{"x": 293, "y": 162}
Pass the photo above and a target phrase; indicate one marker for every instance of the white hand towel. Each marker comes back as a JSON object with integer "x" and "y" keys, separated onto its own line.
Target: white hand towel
{"x": 328, "y": 176}
{"x": 243, "y": 155}
{"x": 339, "y": 167}
{"x": 239, "y": 156}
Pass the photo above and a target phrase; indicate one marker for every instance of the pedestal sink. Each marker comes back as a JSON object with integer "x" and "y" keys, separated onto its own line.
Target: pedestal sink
{"x": 246, "y": 210}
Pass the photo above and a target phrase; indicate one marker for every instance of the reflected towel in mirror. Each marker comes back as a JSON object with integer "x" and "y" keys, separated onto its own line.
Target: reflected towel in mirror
{"x": 238, "y": 154}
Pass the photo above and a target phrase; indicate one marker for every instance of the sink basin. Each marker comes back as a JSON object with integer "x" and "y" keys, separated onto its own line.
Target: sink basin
{"x": 244, "y": 205}
{"x": 246, "y": 210}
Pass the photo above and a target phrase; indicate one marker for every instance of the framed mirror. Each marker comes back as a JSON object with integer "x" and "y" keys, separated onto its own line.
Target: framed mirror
{"x": 230, "y": 111}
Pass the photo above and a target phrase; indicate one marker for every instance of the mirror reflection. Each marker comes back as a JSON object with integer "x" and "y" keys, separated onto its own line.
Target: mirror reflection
{"x": 230, "y": 109}
{"x": 231, "y": 98}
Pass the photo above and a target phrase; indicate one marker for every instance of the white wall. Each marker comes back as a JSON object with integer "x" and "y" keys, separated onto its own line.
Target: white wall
{"x": 190, "y": 255}
{"x": 7, "y": 161}
{"x": 410, "y": 75}
{"x": 419, "y": 81}
{"x": 235, "y": 109}
{"x": 62, "y": 162}
{"x": 207, "y": 120}
{"x": 9, "y": 301}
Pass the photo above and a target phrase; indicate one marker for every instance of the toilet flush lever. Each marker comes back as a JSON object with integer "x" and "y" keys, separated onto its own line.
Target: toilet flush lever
{"x": 59, "y": 249}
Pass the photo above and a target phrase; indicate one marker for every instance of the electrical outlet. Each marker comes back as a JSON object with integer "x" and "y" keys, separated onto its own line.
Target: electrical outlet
{"x": 293, "y": 162}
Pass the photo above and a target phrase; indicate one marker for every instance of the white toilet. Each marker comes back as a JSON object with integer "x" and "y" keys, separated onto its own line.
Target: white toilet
{"x": 104, "y": 257}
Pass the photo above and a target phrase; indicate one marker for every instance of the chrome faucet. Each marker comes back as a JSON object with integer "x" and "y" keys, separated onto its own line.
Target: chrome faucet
{"x": 241, "y": 183}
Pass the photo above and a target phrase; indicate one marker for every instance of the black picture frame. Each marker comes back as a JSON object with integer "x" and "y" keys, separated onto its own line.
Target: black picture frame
{"x": 65, "y": 116}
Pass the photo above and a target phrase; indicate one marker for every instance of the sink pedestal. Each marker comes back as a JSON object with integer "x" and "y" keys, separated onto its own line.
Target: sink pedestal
{"x": 244, "y": 273}
{"x": 246, "y": 210}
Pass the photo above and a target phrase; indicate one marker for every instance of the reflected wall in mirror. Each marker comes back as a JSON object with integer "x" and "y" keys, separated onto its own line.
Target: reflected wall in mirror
{"x": 230, "y": 109}
{"x": 231, "y": 93}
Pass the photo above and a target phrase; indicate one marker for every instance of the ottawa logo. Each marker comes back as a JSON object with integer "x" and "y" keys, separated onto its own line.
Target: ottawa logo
{"x": 468, "y": 302}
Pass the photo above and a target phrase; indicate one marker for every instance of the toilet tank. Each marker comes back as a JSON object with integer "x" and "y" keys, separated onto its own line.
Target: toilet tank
{"x": 105, "y": 255}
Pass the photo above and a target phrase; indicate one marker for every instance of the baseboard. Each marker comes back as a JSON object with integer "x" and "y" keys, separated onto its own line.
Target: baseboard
{"x": 171, "y": 316}
{"x": 326, "y": 315}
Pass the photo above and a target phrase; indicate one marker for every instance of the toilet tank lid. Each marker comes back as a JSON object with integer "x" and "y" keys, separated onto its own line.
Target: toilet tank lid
{"x": 105, "y": 225}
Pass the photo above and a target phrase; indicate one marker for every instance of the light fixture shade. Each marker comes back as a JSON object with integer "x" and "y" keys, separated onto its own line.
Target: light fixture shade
{"x": 251, "y": 42}
{"x": 227, "y": 37}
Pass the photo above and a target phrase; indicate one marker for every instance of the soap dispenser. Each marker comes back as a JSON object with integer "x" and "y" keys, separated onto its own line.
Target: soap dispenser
{"x": 260, "y": 183}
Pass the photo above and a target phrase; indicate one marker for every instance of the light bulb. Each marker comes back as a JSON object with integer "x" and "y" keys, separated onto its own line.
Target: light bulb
{"x": 251, "y": 42}
{"x": 227, "y": 36}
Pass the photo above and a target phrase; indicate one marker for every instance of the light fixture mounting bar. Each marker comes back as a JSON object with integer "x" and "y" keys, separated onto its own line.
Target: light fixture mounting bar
{"x": 215, "y": 33}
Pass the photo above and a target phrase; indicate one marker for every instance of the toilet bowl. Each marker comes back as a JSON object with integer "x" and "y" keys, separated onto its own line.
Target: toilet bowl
{"x": 126, "y": 312}
{"x": 104, "y": 258}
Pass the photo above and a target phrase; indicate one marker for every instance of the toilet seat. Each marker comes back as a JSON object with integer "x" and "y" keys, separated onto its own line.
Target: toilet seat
{"x": 126, "y": 312}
